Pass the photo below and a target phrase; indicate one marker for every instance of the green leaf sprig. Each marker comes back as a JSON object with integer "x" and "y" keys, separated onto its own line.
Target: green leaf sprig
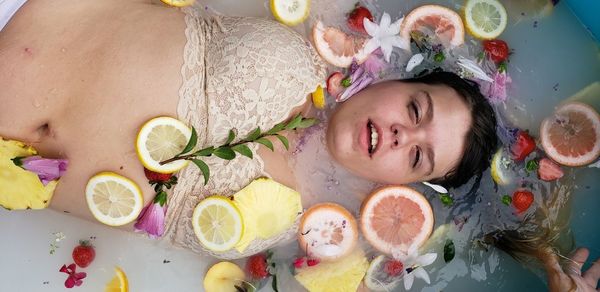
{"x": 228, "y": 150}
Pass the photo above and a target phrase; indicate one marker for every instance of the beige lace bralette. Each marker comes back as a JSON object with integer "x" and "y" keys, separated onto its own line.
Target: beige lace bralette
{"x": 238, "y": 73}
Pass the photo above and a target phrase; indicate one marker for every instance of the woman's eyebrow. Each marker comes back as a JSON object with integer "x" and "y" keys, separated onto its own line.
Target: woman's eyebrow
{"x": 429, "y": 113}
{"x": 429, "y": 117}
{"x": 430, "y": 157}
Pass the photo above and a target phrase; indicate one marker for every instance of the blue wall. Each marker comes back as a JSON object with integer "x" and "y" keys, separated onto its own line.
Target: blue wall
{"x": 588, "y": 12}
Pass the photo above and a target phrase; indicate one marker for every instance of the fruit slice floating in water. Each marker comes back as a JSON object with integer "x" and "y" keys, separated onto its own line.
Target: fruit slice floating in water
{"x": 290, "y": 12}
{"x": 223, "y": 277}
{"x": 499, "y": 168}
{"x": 268, "y": 208}
{"x": 327, "y": 231}
{"x": 443, "y": 22}
{"x": 394, "y": 218}
{"x": 118, "y": 283}
{"x": 179, "y": 3}
{"x": 318, "y": 97}
{"x": 336, "y": 47}
{"x": 380, "y": 279}
{"x": 113, "y": 199}
{"x": 572, "y": 135}
{"x": 344, "y": 274}
{"x": 485, "y": 19}
{"x": 160, "y": 139}
{"x": 217, "y": 223}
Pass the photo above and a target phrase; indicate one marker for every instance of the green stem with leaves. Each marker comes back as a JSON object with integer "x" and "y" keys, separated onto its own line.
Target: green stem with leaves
{"x": 228, "y": 150}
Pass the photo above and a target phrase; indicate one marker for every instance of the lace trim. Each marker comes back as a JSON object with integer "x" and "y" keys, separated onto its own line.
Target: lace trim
{"x": 238, "y": 73}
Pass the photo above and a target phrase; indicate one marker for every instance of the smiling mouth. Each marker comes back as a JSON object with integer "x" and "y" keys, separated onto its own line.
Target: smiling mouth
{"x": 374, "y": 137}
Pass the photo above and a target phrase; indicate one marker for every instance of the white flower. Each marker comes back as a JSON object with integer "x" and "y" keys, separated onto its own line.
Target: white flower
{"x": 413, "y": 264}
{"x": 437, "y": 188}
{"x": 473, "y": 68}
{"x": 384, "y": 36}
{"x": 414, "y": 61}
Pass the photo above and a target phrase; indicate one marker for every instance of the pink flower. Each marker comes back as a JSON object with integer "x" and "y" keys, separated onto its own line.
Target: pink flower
{"x": 46, "y": 169}
{"x": 496, "y": 90}
{"x": 74, "y": 279}
{"x": 152, "y": 218}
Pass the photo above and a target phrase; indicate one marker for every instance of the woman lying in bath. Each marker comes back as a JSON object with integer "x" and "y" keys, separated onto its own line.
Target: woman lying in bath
{"x": 80, "y": 87}
{"x": 79, "y": 78}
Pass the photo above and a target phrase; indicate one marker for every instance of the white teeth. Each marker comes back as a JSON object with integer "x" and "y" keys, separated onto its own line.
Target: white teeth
{"x": 374, "y": 137}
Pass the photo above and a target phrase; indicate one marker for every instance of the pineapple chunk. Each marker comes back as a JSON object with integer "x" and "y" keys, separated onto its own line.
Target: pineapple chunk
{"x": 21, "y": 189}
{"x": 341, "y": 275}
{"x": 268, "y": 208}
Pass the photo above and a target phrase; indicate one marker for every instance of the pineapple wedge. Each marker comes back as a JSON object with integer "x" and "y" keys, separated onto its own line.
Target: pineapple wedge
{"x": 341, "y": 275}
{"x": 21, "y": 189}
{"x": 268, "y": 209}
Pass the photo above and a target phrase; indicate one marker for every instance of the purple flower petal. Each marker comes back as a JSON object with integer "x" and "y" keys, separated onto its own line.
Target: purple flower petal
{"x": 152, "y": 220}
{"x": 46, "y": 169}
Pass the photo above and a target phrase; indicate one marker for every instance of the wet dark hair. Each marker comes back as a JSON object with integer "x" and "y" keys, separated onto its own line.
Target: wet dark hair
{"x": 481, "y": 139}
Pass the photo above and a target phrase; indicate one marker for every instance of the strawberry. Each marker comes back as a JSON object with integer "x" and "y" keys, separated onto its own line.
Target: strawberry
{"x": 157, "y": 177}
{"x": 312, "y": 262}
{"x": 299, "y": 262}
{"x": 548, "y": 170}
{"x": 356, "y": 18}
{"x": 257, "y": 266}
{"x": 497, "y": 49}
{"x": 334, "y": 84}
{"x": 523, "y": 146}
{"x": 83, "y": 254}
{"x": 393, "y": 268}
{"x": 521, "y": 200}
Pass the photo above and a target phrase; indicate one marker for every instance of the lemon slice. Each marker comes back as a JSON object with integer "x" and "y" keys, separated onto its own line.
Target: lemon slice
{"x": 160, "y": 139}
{"x": 485, "y": 19}
{"x": 318, "y": 98}
{"x": 113, "y": 199}
{"x": 179, "y": 3}
{"x": 217, "y": 223}
{"x": 290, "y": 12}
{"x": 118, "y": 282}
{"x": 498, "y": 170}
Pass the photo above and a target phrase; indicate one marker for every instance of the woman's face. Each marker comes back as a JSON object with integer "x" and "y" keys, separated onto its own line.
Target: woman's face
{"x": 397, "y": 133}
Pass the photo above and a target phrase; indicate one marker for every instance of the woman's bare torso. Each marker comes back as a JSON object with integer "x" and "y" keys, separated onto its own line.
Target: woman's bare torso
{"x": 79, "y": 78}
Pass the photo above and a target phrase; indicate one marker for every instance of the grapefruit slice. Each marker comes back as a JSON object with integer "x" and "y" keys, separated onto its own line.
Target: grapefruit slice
{"x": 445, "y": 24}
{"x": 394, "y": 218}
{"x": 327, "y": 231}
{"x": 338, "y": 48}
{"x": 572, "y": 135}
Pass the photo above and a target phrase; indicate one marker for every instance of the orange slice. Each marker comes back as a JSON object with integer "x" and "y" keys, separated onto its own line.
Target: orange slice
{"x": 572, "y": 135}
{"x": 396, "y": 217}
{"x": 445, "y": 23}
{"x": 338, "y": 48}
{"x": 327, "y": 231}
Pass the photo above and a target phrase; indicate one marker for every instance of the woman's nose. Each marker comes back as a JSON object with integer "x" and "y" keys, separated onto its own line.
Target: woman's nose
{"x": 402, "y": 136}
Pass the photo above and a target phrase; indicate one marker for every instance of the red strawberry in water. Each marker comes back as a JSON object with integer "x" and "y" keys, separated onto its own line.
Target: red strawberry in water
{"x": 521, "y": 200}
{"x": 497, "y": 49}
{"x": 312, "y": 262}
{"x": 257, "y": 266}
{"x": 548, "y": 170}
{"x": 355, "y": 18}
{"x": 393, "y": 268}
{"x": 334, "y": 84}
{"x": 523, "y": 146}
{"x": 84, "y": 254}
{"x": 157, "y": 177}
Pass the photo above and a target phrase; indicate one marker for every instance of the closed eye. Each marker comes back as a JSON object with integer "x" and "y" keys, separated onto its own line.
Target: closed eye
{"x": 417, "y": 157}
{"x": 415, "y": 111}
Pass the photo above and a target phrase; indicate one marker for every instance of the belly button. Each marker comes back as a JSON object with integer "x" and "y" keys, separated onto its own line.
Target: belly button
{"x": 43, "y": 131}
